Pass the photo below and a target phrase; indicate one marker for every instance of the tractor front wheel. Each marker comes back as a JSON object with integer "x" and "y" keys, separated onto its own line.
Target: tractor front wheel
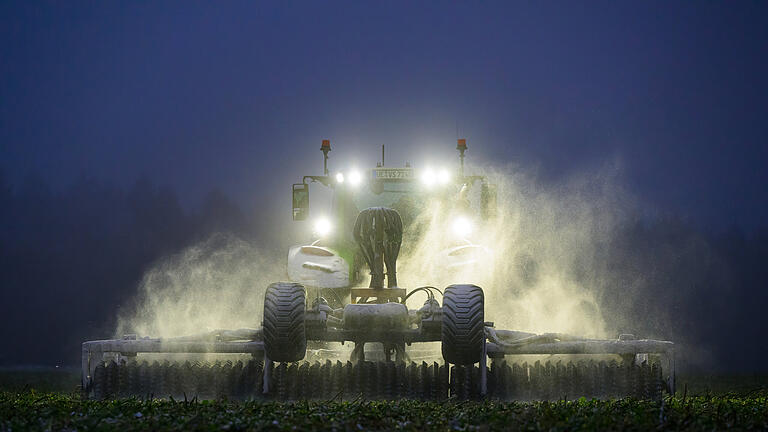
{"x": 285, "y": 339}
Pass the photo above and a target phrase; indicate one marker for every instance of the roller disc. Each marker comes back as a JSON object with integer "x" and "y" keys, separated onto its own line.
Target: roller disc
{"x": 377, "y": 380}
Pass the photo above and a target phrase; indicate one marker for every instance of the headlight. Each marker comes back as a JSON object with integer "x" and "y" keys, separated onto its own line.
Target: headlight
{"x": 323, "y": 227}
{"x": 339, "y": 178}
{"x": 443, "y": 176}
{"x": 462, "y": 226}
{"x": 355, "y": 178}
{"x": 428, "y": 177}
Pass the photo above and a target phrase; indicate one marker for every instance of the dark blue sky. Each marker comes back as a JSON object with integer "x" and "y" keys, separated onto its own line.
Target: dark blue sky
{"x": 238, "y": 95}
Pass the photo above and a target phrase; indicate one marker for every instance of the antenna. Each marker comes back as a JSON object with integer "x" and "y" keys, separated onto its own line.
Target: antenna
{"x": 325, "y": 147}
{"x": 461, "y": 146}
{"x": 382, "y": 155}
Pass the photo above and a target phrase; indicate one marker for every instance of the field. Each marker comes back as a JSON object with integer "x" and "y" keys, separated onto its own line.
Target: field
{"x": 45, "y": 400}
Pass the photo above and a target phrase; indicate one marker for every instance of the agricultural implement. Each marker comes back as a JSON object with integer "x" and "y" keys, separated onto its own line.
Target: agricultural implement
{"x": 322, "y": 308}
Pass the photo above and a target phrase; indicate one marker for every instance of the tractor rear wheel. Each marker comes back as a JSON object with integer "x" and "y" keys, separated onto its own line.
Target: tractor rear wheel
{"x": 285, "y": 339}
{"x": 463, "y": 332}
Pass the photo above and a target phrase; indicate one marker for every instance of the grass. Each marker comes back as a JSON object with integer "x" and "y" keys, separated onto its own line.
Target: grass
{"x": 32, "y": 410}
{"x": 24, "y": 406}
{"x": 44, "y": 379}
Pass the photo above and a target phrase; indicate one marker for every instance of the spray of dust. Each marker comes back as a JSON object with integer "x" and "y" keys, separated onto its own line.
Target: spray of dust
{"x": 544, "y": 271}
{"x": 216, "y": 284}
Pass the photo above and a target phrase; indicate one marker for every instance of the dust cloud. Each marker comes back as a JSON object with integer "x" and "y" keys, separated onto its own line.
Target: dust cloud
{"x": 217, "y": 284}
{"x": 544, "y": 267}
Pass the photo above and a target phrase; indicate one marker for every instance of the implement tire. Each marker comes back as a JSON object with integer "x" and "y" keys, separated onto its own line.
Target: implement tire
{"x": 285, "y": 339}
{"x": 463, "y": 332}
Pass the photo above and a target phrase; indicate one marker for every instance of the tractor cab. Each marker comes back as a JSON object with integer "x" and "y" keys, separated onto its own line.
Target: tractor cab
{"x": 333, "y": 259}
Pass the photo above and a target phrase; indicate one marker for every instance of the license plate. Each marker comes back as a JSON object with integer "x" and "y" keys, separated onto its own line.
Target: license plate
{"x": 393, "y": 173}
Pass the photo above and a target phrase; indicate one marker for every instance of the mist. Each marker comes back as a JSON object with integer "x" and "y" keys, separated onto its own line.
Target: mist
{"x": 218, "y": 283}
{"x": 582, "y": 256}
{"x": 545, "y": 270}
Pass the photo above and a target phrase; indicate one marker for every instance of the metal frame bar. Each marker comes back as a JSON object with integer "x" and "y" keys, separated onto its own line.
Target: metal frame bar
{"x": 587, "y": 346}
{"x": 407, "y": 336}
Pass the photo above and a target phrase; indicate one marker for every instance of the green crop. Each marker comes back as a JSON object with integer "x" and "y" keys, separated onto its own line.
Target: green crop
{"x": 32, "y": 410}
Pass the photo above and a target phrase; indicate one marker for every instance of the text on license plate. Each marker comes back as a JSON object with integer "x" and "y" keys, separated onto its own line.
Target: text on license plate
{"x": 393, "y": 173}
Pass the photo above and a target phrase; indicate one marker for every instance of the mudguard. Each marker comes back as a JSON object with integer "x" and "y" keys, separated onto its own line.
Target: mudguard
{"x": 317, "y": 266}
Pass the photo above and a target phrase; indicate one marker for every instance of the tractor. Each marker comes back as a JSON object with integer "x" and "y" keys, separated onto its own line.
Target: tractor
{"x": 325, "y": 304}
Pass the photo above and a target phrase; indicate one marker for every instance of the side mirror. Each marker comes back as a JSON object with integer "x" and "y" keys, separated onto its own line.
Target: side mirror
{"x": 300, "y": 201}
{"x": 488, "y": 200}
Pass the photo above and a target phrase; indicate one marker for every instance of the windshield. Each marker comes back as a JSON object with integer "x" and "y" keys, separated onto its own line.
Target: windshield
{"x": 381, "y": 194}
{"x": 402, "y": 196}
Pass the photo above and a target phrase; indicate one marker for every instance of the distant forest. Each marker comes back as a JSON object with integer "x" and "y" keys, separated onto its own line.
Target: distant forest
{"x": 69, "y": 259}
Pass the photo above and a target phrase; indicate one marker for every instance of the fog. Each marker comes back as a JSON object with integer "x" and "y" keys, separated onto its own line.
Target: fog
{"x": 578, "y": 256}
{"x": 146, "y": 151}
{"x": 218, "y": 283}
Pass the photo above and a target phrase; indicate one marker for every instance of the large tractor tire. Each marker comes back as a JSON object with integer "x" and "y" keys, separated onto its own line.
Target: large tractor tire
{"x": 285, "y": 339}
{"x": 463, "y": 331}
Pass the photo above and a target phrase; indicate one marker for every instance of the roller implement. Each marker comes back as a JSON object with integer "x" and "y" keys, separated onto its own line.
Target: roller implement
{"x": 324, "y": 336}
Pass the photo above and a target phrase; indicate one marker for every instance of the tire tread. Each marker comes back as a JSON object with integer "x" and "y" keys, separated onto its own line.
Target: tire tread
{"x": 463, "y": 324}
{"x": 284, "y": 331}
